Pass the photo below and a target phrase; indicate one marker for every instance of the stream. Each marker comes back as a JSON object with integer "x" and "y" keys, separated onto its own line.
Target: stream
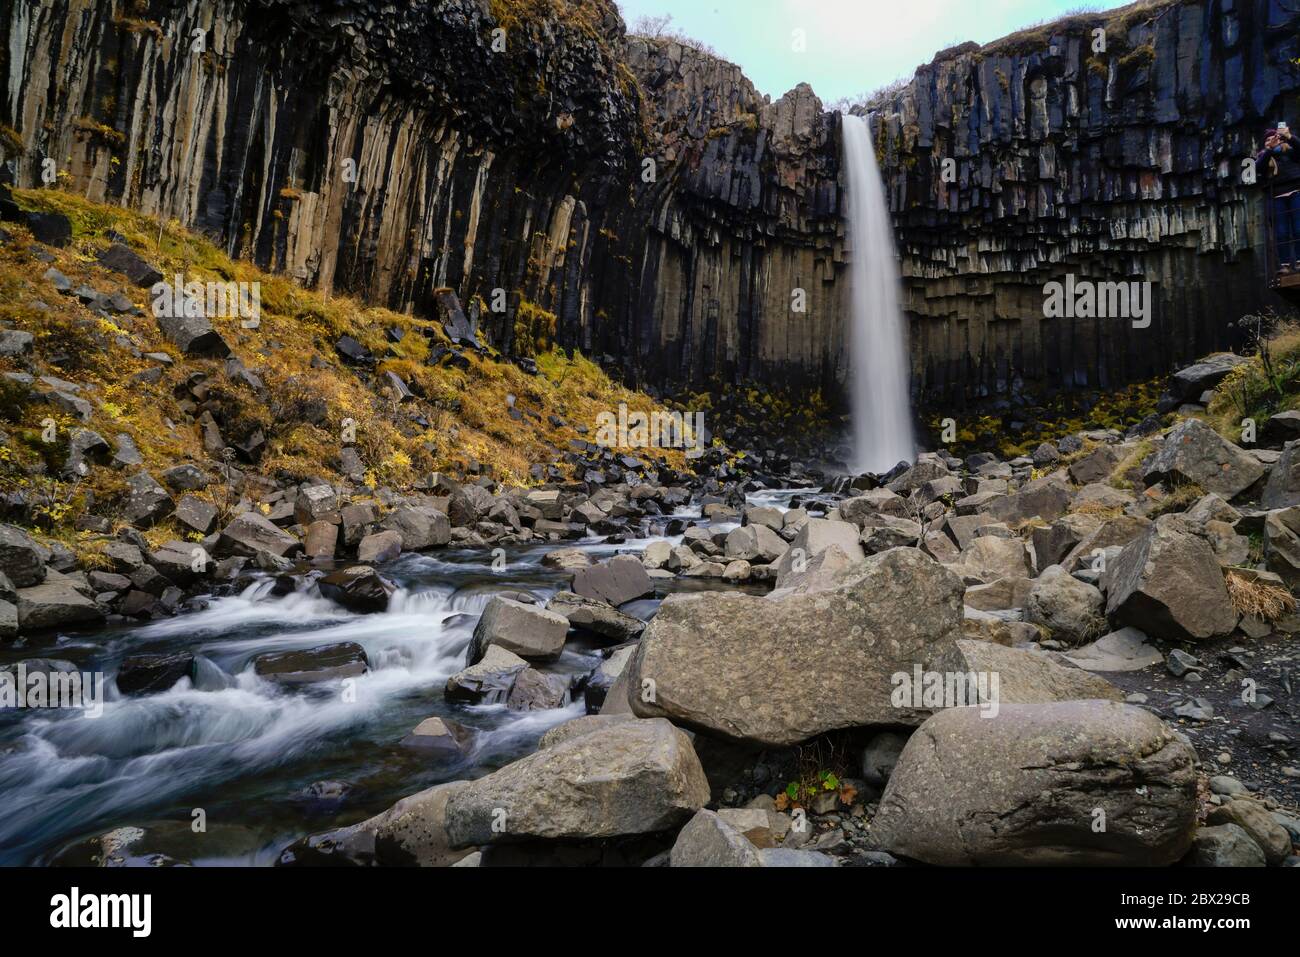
{"x": 245, "y": 751}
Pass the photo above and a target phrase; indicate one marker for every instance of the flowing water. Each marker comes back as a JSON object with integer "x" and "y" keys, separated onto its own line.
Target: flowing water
{"x": 244, "y": 750}
{"x": 882, "y": 415}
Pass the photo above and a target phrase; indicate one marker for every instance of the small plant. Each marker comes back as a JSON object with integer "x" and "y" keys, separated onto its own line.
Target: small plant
{"x": 1259, "y": 599}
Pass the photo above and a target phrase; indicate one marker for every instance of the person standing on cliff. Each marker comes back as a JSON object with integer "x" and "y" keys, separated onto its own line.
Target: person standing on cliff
{"x": 1283, "y": 171}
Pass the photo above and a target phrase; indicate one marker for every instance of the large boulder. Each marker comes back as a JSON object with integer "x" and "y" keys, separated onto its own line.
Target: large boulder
{"x": 55, "y": 603}
{"x": 1026, "y": 788}
{"x": 1188, "y": 385}
{"x": 1072, "y": 610}
{"x": 709, "y": 841}
{"x": 344, "y": 659}
{"x": 1283, "y": 487}
{"x": 634, "y": 777}
{"x": 193, "y": 333}
{"x": 619, "y": 580}
{"x": 358, "y": 588}
{"x": 595, "y": 617}
{"x": 147, "y": 502}
{"x": 532, "y": 633}
{"x": 489, "y": 681}
{"x": 990, "y": 558}
{"x": 1194, "y": 453}
{"x": 253, "y": 532}
{"x": 20, "y": 557}
{"x": 1018, "y": 676}
{"x": 421, "y": 526}
{"x": 1168, "y": 583}
{"x": 777, "y": 672}
{"x": 754, "y": 543}
{"x": 814, "y": 538}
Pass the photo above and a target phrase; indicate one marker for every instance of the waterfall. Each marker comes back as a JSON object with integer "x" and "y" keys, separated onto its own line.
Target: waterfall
{"x": 882, "y": 415}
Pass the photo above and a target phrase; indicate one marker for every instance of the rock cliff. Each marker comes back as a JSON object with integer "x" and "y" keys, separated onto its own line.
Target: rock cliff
{"x": 639, "y": 200}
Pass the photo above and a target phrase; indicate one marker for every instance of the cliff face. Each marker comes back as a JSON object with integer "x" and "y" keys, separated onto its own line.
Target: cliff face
{"x": 645, "y": 199}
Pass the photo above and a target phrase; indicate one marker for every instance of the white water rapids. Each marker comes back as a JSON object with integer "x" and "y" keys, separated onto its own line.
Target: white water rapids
{"x": 882, "y": 415}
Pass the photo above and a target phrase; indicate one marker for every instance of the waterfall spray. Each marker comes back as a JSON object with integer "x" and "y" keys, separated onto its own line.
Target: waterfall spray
{"x": 882, "y": 415}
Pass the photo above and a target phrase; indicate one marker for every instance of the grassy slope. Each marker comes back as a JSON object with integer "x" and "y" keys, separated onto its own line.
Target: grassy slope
{"x": 296, "y": 326}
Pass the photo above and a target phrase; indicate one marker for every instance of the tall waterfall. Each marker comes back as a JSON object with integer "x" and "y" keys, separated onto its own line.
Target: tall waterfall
{"x": 882, "y": 415}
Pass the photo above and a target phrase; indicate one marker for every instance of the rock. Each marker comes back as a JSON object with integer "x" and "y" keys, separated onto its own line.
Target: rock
{"x": 380, "y": 547}
{"x": 487, "y": 682}
{"x": 21, "y": 560}
{"x": 1188, "y": 385}
{"x": 1255, "y": 819}
{"x": 1069, "y": 608}
{"x": 534, "y": 690}
{"x": 532, "y": 633}
{"x": 358, "y": 588}
{"x": 635, "y": 777}
{"x": 1022, "y": 677}
{"x": 754, "y": 543}
{"x": 147, "y": 502}
{"x": 421, "y": 526}
{"x": 8, "y": 619}
{"x": 1022, "y": 789}
{"x": 1096, "y": 466}
{"x": 85, "y": 449}
{"x": 1123, "y": 650}
{"x": 321, "y": 541}
{"x": 344, "y": 659}
{"x": 52, "y": 229}
{"x": 1003, "y": 593}
{"x": 879, "y": 501}
{"x": 617, "y": 581}
{"x": 657, "y": 554}
{"x": 988, "y": 559}
{"x": 316, "y": 503}
{"x": 185, "y": 478}
{"x": 791, "y": 857}
{"x": 55, "y": 603}
{"x": 1283, "y": 487}
{"x": 14, "y": 343}
{"x": 1225, "y": 845}
{"x": 567, "y": 558}
{"x": 196, "y": 514}
{"x": 357, "y": 520}
{"x": 709, "y": 841}
{"x": 596, "y": 617}
{"x": 441, "y": 737}
{"x": 353, "y": 352}
{"x": 192, "y": 334}
{"x": 1193, "y": 452}
{"x": 251, "y": 533}
{"x": 1169, "y": 584}
{"x": 777, "y": 672}
{"x": 150, "y": 674}
{"x": 812, "y": 540}
{"x": 580, "y": 726}
{"x": 121, "y": 258}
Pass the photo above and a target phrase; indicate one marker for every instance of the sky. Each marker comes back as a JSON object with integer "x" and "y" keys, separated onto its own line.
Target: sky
{"x": 852, "y": 46}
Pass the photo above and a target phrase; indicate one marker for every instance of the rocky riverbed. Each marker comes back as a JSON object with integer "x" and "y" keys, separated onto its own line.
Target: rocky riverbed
{"x": 1080, "y": 657}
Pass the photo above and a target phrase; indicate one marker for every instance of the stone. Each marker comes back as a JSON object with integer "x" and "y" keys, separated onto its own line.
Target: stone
{"x": 534, "y": 690}
{"x": 532, "y": 633}
{"x": 1096, "y": 466}
{"x": 1021, "y": 789}
{"x": 196, "y": 514}
{"x": 1023, "y": 677}
{"x": 344, "y": 659}
{"x": 1224, "y": 845}
{"x": 55, "y": 603}
{"x": 881, "y": 756}
{"x": 989, "y": 558}
{"x": 441, "y": 737}
{"x": 1255, "y": 819}
{"x": 251, "y": 533}
{"x": 15, "y": 343}
{"x": 634, "y": 777}
{"x": 151, "y": 674}
{"x": 1124, "y": 650}
{"x": 147, "y": 502}
{"x": 380, "y": 547}
{"x": 1169, "y": 584}
{"x": 709, "y": 841}
{"x": 595, "y": 617}
{"x": 316, "y": 503}
{"x": 793, "y": 857}
{"x": 421, "y": 526}
{"x": 357, "y": 588}
{"x": 321, "y": 541}
{"x": 21, "y": 560}
{"x": 879, "y": 501}
{"x": 754, "y": 543}
{"x": 778, "y": 672}
{"x": 185, "y": 478}
{"x": 1069, "y": 608}
{"x": 813, "y": 539}
{"x": 122, "y": 259}
{"x": 617, "y": 581}
{"x": 1194, "y": 453}
{"x": 487, "y": 682}
{"x": 192, "y": 334}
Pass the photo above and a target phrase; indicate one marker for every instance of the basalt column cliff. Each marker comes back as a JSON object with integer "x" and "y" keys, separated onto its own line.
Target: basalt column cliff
{"x": 639, "y": 200}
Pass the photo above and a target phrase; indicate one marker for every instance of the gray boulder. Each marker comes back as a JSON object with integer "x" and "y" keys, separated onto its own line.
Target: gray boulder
{"x": 1193, "y": 452}
{"x": 1072, "y": 610}
{"x": 709, "y": 841}
{"x": 55, "y": 603}
{"x": 532, "y": 633}
{"x": 1224, "y": 845}
{"x": 421, "y": 526}
{"x": 1024, "y": 788}
{"x": 251, "y": 533}
{"x": 1022, "y": 676}
{"x": 20, "y": 557}
{"x": 595, "y": 617}
{"x": 617, "y": 581}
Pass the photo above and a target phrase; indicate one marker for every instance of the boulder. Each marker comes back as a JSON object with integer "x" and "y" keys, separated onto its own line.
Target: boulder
{"x": 1224, "y": 845}
{"x": 196, "y": 514}
{"x": 1018, "y": 676}
{"x": 192, "y": 334}
{"x": 440, "y": 737}
{"x": 617, "y": 581}
{"x": 55, "y": 603}
{"x": 778, "y": 672}
{"x": 1168, "y": 583}
{"x": 634, "y": 777}
{"x": 1024, "y": 788}
{"x": 150, "y": 674}
{"x": 147, "y": 502}
{"x": 1254, "y": 818}
{"x": 754, "y": 543}
{"x": 20, "y": 557}
{"x": 344, "y": 659}
{"x": 815, "y": 537}
{"x": 1096, "y": 466}
{"x": 709, "y": 841}
{"x": 1124, "y": 650}
{"x": 595, "y": 617}
{"x": 487, "y": 682}
{"x": 1194, "y": 453}
{"x": 357, "y": 588}
{"x": 380, "y": 547}
{"x": 253, "y": 532}
{"x": 535, "y": 690}
{"x": 421, "y": 526}
{"x": 989, "y": 558}
{"x": 1072, "y": 610}
{"x": 532, "y": 633}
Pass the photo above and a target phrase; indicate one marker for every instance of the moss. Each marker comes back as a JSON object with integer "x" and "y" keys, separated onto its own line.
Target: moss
{"x": 534, "y": 328}
{"x": 1138, "y": 58}
{"x": 105, "y": 134}
{"x": 11, "y": 140}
